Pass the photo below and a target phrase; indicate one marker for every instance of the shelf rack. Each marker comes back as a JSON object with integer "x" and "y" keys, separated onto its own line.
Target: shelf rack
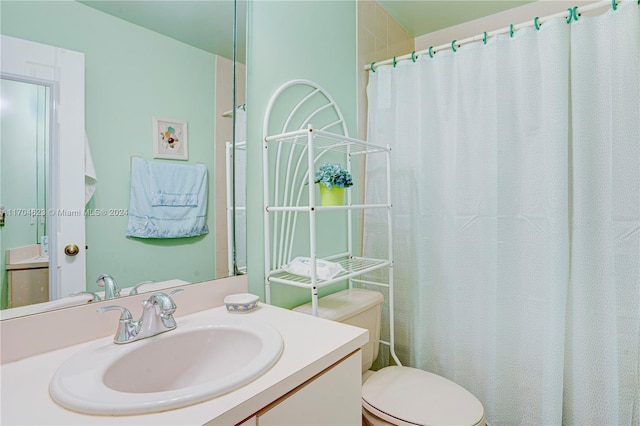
{"x": 284, "y": 187}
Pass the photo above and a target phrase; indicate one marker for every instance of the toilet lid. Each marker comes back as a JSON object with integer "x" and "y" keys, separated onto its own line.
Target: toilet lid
{"x": 419, "y": 397}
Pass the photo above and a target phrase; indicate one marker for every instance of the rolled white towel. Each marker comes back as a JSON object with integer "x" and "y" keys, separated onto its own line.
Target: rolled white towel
{"x": 302, "y": 266}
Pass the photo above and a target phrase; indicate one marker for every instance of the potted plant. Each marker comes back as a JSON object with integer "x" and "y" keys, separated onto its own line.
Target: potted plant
{"x": 333, "y": 179}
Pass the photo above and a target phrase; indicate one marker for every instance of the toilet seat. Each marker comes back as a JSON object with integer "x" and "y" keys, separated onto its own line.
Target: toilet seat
{"x": 409, "y": 396}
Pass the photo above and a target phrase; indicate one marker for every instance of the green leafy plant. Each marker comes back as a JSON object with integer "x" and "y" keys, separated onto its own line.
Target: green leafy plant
{"x": 331, "y": 175}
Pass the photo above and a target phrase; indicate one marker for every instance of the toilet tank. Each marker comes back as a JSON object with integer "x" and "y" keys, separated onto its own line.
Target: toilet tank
{"x": 357, "y": 307}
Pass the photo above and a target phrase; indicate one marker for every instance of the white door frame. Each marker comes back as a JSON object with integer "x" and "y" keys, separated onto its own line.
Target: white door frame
{"x": 63, "y": 70}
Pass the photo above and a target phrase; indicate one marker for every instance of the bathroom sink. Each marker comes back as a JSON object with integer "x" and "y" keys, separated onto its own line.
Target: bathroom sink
{"x": 185, "y": 366}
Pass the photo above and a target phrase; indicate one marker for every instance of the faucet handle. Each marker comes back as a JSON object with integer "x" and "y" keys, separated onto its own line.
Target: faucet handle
{"x": 176, "y": 291}
{"x": 95, "y": 297}
{"x": 125, "y": 315}
{"x": 134, "y": 290}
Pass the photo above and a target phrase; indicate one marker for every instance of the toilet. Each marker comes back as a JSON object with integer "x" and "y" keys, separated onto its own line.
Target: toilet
{"x": 397, "y": 395}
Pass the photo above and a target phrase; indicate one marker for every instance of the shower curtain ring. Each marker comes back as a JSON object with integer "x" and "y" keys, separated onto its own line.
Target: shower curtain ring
{"x": 575, "y": 13}
{"x": 431, "y": 51}
{"x": 535, "y": 23}
{"x": 570, "y": 17}
{"x": 372, "y": 64}
{"x": 484, "y": 38}
{"x": 510, "y": 30}
{"x": 614, "y": 5}
{"x": 453, "y": 46}
{"x": 413, "y": 56}
{"x": 394, "y": 62}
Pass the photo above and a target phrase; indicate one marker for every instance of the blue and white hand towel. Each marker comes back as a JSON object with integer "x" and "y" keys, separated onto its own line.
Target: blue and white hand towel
{"x": 178, "y": 217}
{"x": 176, "y": 184}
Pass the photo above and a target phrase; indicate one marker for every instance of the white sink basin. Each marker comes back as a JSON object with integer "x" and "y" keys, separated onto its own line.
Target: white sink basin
{"x": 171, "y": 370}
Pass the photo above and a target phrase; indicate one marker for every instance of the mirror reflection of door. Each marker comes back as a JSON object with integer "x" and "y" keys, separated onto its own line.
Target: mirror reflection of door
{"x": 43, "y": 196}
{"x": 24, "y": 157}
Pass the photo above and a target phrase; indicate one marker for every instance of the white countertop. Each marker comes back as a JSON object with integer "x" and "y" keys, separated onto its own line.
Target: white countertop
{"x": 29, "y": 263}
{"x": 310, "y": 346}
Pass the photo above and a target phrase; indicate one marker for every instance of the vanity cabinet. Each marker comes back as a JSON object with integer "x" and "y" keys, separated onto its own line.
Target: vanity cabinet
{"x": 316, "y": 381}
{"x": 28, "y": 276}
{"x": 333, "y": 397}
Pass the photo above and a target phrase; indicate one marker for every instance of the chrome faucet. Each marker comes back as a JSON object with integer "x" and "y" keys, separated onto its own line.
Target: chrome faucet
{"x": 111, "y": 289}
{"x": 157, "y": 317}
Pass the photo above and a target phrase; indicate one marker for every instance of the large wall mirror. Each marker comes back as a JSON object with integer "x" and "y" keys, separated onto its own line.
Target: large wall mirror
{"x": 145, "y": 64}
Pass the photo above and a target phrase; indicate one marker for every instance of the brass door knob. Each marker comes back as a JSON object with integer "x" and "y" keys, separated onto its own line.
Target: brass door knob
{"x": 71, "y": 250}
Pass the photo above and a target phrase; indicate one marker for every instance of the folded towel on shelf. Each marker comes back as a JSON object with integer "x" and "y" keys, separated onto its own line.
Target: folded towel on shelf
{"x": 302, "y": 266}
{"x": 162, "y": 221}
{"x": 176, "y": 184}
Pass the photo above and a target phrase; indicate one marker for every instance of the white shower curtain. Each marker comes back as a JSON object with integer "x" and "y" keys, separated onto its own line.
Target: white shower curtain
{"x": 516, "y": 192}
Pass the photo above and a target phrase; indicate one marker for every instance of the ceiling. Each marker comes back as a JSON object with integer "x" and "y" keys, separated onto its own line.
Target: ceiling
{"x": 208, "y": 24}
{"x": 420, "y": 17}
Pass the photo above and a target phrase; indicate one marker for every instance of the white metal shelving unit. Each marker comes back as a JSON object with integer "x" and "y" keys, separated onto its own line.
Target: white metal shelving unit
{"x": 289, "y": 191}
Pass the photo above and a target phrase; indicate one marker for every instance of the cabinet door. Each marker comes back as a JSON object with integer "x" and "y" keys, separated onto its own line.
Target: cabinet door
{"x": 28, "y": 286}
{"x": 332, "y": 398}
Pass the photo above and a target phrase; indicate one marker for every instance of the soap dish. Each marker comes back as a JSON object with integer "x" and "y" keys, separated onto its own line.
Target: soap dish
{"x": 240, "y": 303}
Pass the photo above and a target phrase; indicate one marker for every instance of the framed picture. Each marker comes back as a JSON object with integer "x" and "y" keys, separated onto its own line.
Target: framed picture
{"x": 170, "y": 139}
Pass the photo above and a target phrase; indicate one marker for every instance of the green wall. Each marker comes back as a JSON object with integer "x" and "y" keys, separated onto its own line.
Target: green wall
{"x": 313, "y": 40}
{"x": 131, "y": 74}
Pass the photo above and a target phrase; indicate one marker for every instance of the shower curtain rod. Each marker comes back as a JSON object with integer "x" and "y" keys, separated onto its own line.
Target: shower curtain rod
{"x": 506, "y": 30}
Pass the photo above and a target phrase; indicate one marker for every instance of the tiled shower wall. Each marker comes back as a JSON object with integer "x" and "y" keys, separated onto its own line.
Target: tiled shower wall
{"x": 380, "y": 37}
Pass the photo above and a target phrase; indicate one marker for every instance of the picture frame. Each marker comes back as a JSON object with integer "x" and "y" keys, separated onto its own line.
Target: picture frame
{"x": 170, "y": 139}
